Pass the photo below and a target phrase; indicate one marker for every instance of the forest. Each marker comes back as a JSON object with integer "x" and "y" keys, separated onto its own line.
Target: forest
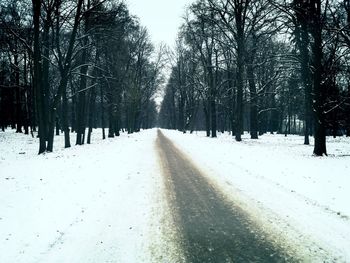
{"x": 71, "y": 66}
{"x": 268, "y": 66}
{"x": 262, "y": 66}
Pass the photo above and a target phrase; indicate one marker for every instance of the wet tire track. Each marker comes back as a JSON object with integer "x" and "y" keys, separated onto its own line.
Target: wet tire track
{"x": 210, "y": 227}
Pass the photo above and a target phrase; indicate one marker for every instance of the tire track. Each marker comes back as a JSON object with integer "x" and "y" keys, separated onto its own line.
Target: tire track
{"x": 211, "y": 228}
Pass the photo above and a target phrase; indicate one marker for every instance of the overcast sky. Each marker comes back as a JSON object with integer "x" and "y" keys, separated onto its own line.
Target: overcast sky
{"x": 161, "y": 17}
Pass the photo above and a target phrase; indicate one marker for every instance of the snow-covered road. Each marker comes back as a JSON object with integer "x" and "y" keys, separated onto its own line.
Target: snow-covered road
{"x": 211, "y": 227}
{"x": 300, "y": 199}
{"x": 106, "y": 202}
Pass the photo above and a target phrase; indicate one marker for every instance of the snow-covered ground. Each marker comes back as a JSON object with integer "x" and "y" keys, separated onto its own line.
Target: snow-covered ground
{"x": 105, "y": 202}
{"x": 94, "y": 203}
{"x": 303, "y": 200}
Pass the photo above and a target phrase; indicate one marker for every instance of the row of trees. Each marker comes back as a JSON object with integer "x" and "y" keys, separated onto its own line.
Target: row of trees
{"x": 262, "y": 66}
{"x": 73, "y": 65}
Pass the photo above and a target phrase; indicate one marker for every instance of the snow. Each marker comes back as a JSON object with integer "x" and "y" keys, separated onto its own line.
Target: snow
{"x": 302, "y": 199}
{"x": 106, "y": 202}
{"x": 91, "y": 203}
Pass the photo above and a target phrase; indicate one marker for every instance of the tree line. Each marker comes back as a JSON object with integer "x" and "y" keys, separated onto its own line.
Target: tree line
{"x": 261, "y": 66}
{"x": 74, "y": 65}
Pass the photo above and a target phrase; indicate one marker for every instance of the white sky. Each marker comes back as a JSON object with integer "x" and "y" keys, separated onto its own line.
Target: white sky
{"x": 161, "y": 17}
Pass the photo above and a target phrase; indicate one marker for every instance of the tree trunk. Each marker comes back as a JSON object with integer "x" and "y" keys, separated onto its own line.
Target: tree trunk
{"x": 81, "y": 110}
{"x": 57, "y": 126}
{"x": 111, "y": 125}
{"x": 81, "y": 107}
{"x": 92, "y": 109}
{"x": 92, "y": 100}
{"x": 212, "y": 100}
{"x": 207, "y": 119}
{"x": 65, "y": 125}
{"x": 37, "y": 77}
{"x": 173, "y": 109}
{"x": 45, "y": 77}
{"x": 305, "y": 73}
{"x": 181, "y": 122}
{"x": 18, "y": 96}
{"x": 240, "y": 84}
{"x": 73, "y": 108}
{"x": 26, "y": 108}
{"x": 102, "y": 114}
{"x": 253, "y": 95}
{"x": 320, "y": 134}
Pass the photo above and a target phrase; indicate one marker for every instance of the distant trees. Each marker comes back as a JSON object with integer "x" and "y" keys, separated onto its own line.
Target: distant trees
{"x": 238, "y": 65}
{"x": 73, "y": 66}
{"x": 15, "y": 89}
{"x": 263, "y": 66}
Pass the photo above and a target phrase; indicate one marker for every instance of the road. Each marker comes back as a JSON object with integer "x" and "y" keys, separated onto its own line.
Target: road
{"x": 211, "y": 228}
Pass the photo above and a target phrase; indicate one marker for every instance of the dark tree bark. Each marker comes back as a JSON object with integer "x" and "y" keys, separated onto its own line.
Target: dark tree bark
{"x": 207, "y": 117}
{"x": 319, "y": 93}
{"x": 102, "y": 114}
{"x": 303, "y": 41}
{"x": 212, "y": 100}
{"x": 37, "y": 77}
{"x": 32, "y": 103}
{"x": 57, "y": 126}
{"x": 81, "y": 107}
{"x": 232, "y": 95}
{"x": 48, "y": 119}
{"x": 92, "y": 99}
{"x": 74, "y": 107}
{"x": 12, "y": 109}
{"x": 112, "y": 113}
{"x": 173, "y": 108}
{"x": 239, "y": 95}
{"x": 240, "y": 12}
{"x": 27, "y": 88}
{"x": 181, "y": 122}
{"x": 305, "y": 68}
{"x": 182, "y": 97}
{"x": 92, "y": 109}
{"x": 65, "y": 125}
{"x": 19, "y": 120}
{"x": 252, "y": 92}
